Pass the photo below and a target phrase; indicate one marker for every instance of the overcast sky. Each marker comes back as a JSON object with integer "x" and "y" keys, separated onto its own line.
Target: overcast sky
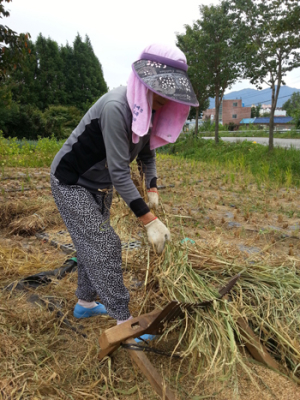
{"x": 119, "y": 29}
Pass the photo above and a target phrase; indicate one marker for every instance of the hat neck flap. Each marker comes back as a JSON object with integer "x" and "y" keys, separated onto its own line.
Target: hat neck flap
{"x": 169, "y": 120}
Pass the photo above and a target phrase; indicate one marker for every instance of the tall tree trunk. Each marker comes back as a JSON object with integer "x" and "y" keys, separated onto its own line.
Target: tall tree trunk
{"x": 217, "y": 106}
{"x": 271, "y": 124}
{"x": 196, "y": 122}
{"x": 273, "y": 108}
{"x": 271, "y": 130}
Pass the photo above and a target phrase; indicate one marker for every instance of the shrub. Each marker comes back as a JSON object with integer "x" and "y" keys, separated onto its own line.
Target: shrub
{"x": 26, "y": 121}
{"x": 232, "y": 126}
{"x": 23, "y": 122}
{"x": 61, "y": 120}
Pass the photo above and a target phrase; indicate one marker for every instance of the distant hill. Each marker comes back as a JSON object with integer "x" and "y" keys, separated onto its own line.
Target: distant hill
{"x": 253, "y": 96}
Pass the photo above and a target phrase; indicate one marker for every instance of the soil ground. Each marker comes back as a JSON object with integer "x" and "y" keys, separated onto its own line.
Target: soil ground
{"x": 42, "y": 358}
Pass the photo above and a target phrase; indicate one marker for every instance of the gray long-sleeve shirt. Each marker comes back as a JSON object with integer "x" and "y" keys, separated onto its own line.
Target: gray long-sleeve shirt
{"x": 99, "y": 151}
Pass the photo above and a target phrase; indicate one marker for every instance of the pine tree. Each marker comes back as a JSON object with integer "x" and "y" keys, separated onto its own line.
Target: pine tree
{"x": 86, "y": 74}
{"x": 50, "y": 78}
{"x": 22, "y": 81}
{"x": 53, "y": 75}
{"x": 69, "y": 72}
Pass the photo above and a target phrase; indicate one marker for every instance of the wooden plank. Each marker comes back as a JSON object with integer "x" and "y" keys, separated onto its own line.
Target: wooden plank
{"x": 255, "y": 347}
{"x": 153, "y": 376}
{"x": 108, "y": 351}
{"x": 135, "y": 327}
{"x": 151, "y": 323}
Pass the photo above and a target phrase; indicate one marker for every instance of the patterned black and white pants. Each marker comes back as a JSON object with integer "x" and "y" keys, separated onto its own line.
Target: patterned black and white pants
{"x": 99, "y": 258}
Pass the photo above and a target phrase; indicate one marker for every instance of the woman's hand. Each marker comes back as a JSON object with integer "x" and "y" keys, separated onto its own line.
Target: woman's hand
{"x": 153, "y": 198}
{"x": 157, "y": 232}
{"x": 145, "y": 219}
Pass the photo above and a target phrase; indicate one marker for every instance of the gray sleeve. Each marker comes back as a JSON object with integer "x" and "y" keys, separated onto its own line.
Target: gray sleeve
{"x": 116, "y": 139}
{"x": 147, "y": 158}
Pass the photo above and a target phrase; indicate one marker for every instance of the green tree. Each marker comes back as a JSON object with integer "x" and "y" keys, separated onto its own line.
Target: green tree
{"x": 292, "y": 107}
{"x": 273, "y": 35}
{"x": 290, "y": 22}
{"x": 49, "y": 76}
{"x": 292, "y": 104}
{"x": 69, "y": 71}
{"x": 255, "y": 111}
{"x": 23, "y": 81}
{"x": 55, "y": 85}
{"x": 215, "y": 35}
{"x": 196, "y": 112}
{"x": 86, "y": 77}
{"x": 198, "y": 71}
{"x": 13, "y": 46}
{"x": 41, "y": 81}
{"x": 59, "y": 75}
{"x": 7, "y": 106}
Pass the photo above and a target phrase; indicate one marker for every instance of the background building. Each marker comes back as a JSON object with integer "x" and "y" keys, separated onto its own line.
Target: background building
{"x": 230, "y": 111}
{"x": 279, "y": 122}
{"x": 265, "y": 110}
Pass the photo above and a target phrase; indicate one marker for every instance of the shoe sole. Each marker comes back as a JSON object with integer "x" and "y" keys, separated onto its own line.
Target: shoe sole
{"x": 86, "y": 315}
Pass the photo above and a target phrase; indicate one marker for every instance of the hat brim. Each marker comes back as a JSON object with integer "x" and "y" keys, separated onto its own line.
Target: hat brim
{"x": 169, "y": 82}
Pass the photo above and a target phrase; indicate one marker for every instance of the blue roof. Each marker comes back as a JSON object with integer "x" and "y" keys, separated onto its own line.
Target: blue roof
{"x": 277, "y": 120}
{"x": 247, "y": 121}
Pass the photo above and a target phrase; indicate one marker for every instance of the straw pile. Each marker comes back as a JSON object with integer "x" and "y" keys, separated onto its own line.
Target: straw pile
{"x": 267, "y": 296}
{"x": 28, "y": 216}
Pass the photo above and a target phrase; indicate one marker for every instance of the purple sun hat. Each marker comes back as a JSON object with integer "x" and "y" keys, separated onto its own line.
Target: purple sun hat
{"x": 166, "y": 77}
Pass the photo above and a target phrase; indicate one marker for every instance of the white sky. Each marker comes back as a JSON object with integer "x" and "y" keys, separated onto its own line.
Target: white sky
{"x": 118, "y": 29}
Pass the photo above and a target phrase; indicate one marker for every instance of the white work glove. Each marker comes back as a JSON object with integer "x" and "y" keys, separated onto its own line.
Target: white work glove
{"x": 158, "y": 234}
{"x": 153, "y": 199}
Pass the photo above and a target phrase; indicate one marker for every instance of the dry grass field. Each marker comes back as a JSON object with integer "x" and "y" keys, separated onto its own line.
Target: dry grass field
{"x": 222, "y": 223}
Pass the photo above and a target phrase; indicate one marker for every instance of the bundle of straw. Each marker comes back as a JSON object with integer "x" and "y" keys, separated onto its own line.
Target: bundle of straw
{"x": 27, "y": 216}
{"x": 267, "y": 297}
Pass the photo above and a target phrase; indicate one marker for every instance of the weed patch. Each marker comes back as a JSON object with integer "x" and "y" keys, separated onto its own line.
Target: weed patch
{"x": 279, "y": 166}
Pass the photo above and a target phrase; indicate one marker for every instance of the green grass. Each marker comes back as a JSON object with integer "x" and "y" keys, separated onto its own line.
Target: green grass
{"x": 208, "y": 130}
{"x": 26, "y": 153}
{"x": 256, "y": 133}
{"x": 281, "y": 165}
{"x": 260, "y": 133}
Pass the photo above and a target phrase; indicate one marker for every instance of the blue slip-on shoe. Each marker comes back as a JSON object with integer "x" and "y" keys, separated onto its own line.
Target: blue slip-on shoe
{"x": 82, "y": 312}
{"x": 143, "y": 338}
